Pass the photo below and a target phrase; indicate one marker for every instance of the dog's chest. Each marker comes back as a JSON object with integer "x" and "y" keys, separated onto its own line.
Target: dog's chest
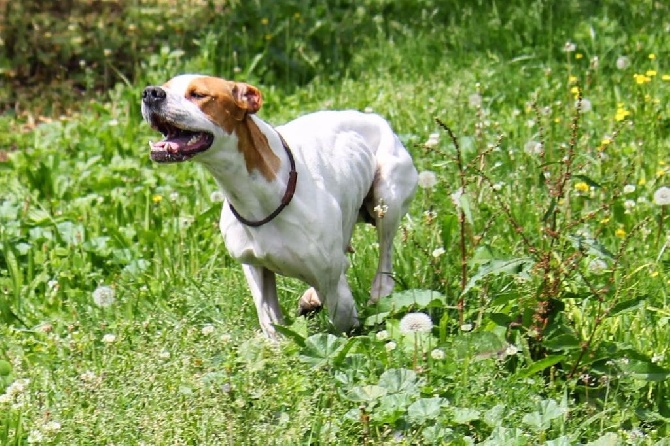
{"x": 285, "y": 249}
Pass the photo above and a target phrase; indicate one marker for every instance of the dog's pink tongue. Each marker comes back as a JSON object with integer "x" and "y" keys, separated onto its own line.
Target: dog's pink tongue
{"x": 166, "y": 145}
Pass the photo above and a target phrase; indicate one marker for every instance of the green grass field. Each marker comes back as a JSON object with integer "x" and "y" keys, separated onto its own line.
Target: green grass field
{"x": 537, "y": 244}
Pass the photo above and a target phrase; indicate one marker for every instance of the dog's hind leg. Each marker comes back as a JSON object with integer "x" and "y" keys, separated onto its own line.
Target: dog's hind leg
{"x": 393, "y": 190}
{"x": 263, "y": 285}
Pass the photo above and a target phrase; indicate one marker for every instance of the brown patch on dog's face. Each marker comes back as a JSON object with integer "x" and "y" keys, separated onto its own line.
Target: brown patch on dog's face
{"x": 228, "y": 104}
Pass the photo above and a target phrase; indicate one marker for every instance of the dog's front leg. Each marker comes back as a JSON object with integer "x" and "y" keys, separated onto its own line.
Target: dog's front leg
{"x": 263, "y": 285}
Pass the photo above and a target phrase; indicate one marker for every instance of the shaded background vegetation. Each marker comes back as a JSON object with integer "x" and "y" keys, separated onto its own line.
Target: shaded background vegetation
{"x": 76, "y": 47}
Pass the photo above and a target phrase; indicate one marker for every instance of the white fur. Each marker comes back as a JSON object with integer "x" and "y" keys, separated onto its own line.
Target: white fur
{"x": 340, "y": 157}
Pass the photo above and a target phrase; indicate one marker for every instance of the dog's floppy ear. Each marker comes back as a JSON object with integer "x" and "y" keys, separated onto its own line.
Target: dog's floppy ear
{"x": 247, "y": 97}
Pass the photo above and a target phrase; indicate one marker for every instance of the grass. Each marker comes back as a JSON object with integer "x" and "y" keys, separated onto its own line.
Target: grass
{"x": 562, "y": 333}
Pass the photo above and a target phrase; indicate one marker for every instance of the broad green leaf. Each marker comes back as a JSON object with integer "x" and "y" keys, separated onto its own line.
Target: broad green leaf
{"x": 5, "y": 368}
{"x": 285, "y": 331}
{"x": 366, "y": 394}
{"x": 465, "y": 415}
{"x": 550, "y": 210}
{"x": 464, "y": 203}
{"x": 627, "y": 305}
{"x": 495, "y": 415}
{"x": 448, "y": 224}
{"x": 376, "y": 319}
{"x": 608, "y": 439}
{"x": 516, "y": 266}
{"x": 564, "y": 341}
{"x": 414, "y": 298}
{"x": 541, "y": 419}
{"x": 438, "y": 435}
{"x": 425, "y": 409}
{"x": 398, "y": 380}
{"x": 560, "y": 441}
{"x": 644, "y": 370}
{"x": 590, "y": 245}
{"x": 321, "y": 349}
{"x": 503, "y": 436}
{"x": 541, "y": 365}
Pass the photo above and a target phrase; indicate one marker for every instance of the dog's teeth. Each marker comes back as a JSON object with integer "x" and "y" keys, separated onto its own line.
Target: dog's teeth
{"x": 194, "y": 139}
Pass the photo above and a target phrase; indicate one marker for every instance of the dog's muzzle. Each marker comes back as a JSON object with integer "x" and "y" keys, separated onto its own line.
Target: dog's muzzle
{"x": 179, "y": 143}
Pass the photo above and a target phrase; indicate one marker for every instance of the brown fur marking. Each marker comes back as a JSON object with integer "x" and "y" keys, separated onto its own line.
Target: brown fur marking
{"x": 219, "y": 104}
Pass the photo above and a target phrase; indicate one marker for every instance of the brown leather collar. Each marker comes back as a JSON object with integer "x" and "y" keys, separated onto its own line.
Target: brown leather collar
{"x": 286, "y": 199}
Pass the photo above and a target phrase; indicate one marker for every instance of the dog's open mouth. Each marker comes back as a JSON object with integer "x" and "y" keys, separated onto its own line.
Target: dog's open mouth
{"x": 179, "y": 144}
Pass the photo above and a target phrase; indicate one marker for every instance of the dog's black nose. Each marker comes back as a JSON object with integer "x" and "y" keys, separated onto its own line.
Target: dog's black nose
{"x": 153, "y": 95}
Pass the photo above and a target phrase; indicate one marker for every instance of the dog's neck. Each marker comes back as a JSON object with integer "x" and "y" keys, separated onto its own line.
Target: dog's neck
{"x": 251, "y": 167}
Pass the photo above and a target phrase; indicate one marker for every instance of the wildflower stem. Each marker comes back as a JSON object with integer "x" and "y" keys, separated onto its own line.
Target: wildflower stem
{"x": 461, "y": 220}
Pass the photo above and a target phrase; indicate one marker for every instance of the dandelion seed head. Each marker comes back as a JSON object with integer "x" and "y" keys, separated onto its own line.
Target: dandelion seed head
{"x": 51, "y": 427}
{"x": 597, "y": 266}
{"x": 586, "y": 105}
{"x": 416, "y": 323}
{"x": 662, "y": 196}
{"x": 433, "y": 140}
{"x": 533, "y": 148}
{"x": 437, "y": 354}
{"x": 382, "y": 335}
{"x": 511, "y": 350}
{"x": 390, "y": 346}
{"x": 622, "y": 62}
{"x": 427, "y": 179}
{"x": 629, "y": 189}
{"x": 569, "y": 47}
{"x": 35, "y": 436}
{"x": 216, "y": 196}
{"x": 437, "y": 252}
{"x": 207, "y": 330}
{"x": 103, "y": 296}
{"x": 466, "y": 327}
{"x": 475, "y": 100}
{"x": 109, "y": 338}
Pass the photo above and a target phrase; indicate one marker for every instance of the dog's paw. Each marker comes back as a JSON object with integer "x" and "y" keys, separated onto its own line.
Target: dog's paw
{"x": 309, "y": 303}
{"x": 382, "y": 286}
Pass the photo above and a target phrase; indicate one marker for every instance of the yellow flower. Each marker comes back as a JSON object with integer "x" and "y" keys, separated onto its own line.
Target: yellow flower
{"x": 660, "y": 172}
{"x": 572, "y": 79}
{"x": 582, "y": 187}
{"x": 605, "y": 220}
{"x": 575, "y": 90}
{"x": 666, "y": 77}
{"x": 642, "y": 182}
{"x": 641, "y": 79}
{"x": 606, "y": 141}
{"x": 651, "y": 73}
{"x": 654, "y": 274}
{"x": 621, "y": 114}
{"x": 620, "y": 233}
{"x": 157, "y": 198}
{"x": 652, "y": 56}
{"x": 557, "y": 120}
{"x": 265, "y": 21}
{"x": 579, "y": 56}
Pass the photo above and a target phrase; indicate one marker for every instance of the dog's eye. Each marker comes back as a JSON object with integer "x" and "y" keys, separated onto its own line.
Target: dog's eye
{"x": 196, "y": 95}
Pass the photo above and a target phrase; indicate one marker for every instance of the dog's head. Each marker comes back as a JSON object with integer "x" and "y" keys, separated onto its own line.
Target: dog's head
{"x": 192, "y": 111}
